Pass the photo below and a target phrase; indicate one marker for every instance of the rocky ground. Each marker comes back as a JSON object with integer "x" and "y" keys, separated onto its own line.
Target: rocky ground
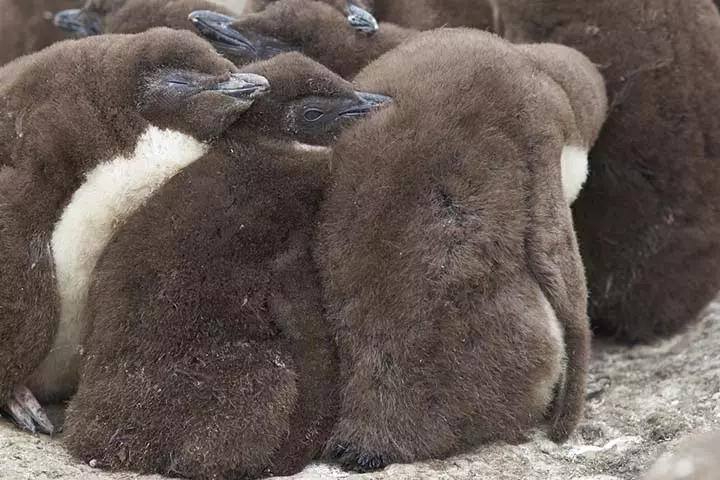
{"x": 642, "y": 402}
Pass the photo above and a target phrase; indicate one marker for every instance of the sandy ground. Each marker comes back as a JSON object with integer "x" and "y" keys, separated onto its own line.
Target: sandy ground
{"x": 642, "y": 402}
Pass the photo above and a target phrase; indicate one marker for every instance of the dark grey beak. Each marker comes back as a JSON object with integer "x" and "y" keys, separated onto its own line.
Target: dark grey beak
{"x": 361, "y": 20}
{"x": 368, "y": 103}
{"x": 217, "y": 28}
{"x": 246, "y": 86}
{"x": 77, "y": 22}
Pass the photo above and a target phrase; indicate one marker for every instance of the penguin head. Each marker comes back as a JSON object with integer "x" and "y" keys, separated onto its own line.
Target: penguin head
{"x": 343, "y": 39}
{"x": 129, "y": 16}
{"x": 309, "y": 104}
{"x": 182, "y": 84}
{"x": 95, "y": 97}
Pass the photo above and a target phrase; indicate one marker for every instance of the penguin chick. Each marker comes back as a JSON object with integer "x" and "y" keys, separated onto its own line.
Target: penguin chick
{"x": 210, "y": 356}
{"x": 648, "y": 219}
{"x": 131, "y": 16}
{"x": 323, "y": 32}
{"x": 419, "y": 14}
{"x": 429, "y": 14}
{"x": 78, "y": 117}
{"x": 25, "y": 27}
{"x": 449, "y": 262}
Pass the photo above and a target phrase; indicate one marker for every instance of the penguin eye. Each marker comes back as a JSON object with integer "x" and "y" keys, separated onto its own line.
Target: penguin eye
{"x": 313, "y": 114}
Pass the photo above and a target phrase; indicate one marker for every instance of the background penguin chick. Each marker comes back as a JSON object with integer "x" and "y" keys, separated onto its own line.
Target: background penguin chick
{"x": 80, "y": 119}
{"x": 316, "y": 29}
{"x": 252, "y": 6}
{"x": 648, "y": 219}
{"x": 448, "y": 258}
{"x": 207, "y": 305}
{"x": 429, "y": 14}
{"x": 131, "y": 16}
{"x": 418, "y": 14}
{"x": 25, "y": 26}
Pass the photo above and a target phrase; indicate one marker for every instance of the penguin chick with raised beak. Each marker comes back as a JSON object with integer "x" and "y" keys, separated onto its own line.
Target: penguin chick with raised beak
{"x": 343, "y": 39}
{"x": 210, "y": 356}
{"x": 450, "y": 266}
{"x": 97, "y": 17}
{"x": 90, "y": 129}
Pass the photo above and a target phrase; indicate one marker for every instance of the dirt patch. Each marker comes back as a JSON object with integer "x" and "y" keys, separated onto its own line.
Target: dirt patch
{"x": 642, "y": 402}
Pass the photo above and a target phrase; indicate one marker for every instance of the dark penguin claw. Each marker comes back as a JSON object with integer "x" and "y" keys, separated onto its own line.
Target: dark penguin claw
{"x": 355, "y": 461}
{"x": 26, "y": 412}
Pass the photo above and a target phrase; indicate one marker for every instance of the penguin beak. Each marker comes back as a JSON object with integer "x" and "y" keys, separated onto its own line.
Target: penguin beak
{"x": 245, "y": 86}
{"x": 368, "y": 103}
{"x": 361, "y": 20}
{"x": 217, "y": 28}
{"x": 77, "y": 22}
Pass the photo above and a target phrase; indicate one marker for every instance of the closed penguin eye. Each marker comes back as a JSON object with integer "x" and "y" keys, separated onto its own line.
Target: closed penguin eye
{"x": 313, "y": 114}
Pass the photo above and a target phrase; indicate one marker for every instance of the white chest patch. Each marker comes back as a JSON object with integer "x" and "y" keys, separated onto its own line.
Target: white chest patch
{"x": 574, "y": 162}
{"x": 545, "y": 386}
{"x": 306, "y": 147}
{"x": 110, "y": 194}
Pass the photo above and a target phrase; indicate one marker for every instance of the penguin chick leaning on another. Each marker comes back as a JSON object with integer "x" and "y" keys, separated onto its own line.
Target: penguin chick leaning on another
{"x": 343, "y": 42}
{"x": 447, "y": 251}
{"x": 77, "y": 117}
{"x": 131, "y": 16}
{"x": 207, "y": 303}
{"x": 648, "y": 220}
{"x": 26, "y": 26}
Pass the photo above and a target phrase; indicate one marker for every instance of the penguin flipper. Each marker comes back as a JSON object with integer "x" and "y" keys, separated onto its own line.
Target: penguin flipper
{"x": 24, "y": 409}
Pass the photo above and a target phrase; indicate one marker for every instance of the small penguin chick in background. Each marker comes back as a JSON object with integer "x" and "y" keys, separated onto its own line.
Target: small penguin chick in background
{"x": 343, "y": 42}
{"x": 131, "y": 16}
{"x": 207, "y": 303}
{"x": 648, "y": 219}
{"x": 419, "y": 14}
{"x": 25, "y": 27}
{"x": 79, "y": 118}
{"x": 450, "y": 266}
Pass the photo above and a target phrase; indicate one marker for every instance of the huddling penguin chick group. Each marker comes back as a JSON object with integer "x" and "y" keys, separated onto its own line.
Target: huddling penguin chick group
{"x": 239, "y": 240}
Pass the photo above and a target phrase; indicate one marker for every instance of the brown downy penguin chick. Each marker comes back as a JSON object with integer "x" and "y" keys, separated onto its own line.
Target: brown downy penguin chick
{"x": 648, "y": 219}
{"x": 342, "y": 40}
{"x": 78, "y": 118}
{"x": 131, "y": 16}
{"x": 26, "y": 26}
{"x": 210, "y": 355}
{"x": 448, "y": 257}
{"x": 419, "y": 14}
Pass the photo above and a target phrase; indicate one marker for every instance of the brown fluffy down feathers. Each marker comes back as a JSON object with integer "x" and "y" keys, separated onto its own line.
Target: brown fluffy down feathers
{"x": 648, "y": 219}
{"x": 444, "y": 234}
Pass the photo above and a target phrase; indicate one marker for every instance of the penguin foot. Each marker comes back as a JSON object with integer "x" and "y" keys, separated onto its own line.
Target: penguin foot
{"x": 353, "y": 460}
{"x": 26, "y": 412}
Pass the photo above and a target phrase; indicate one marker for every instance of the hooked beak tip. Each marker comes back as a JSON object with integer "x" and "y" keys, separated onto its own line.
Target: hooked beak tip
{"x": 361, "y": 20}
{"x": 245, "y": 86}
{"x": 369, "y": 102}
